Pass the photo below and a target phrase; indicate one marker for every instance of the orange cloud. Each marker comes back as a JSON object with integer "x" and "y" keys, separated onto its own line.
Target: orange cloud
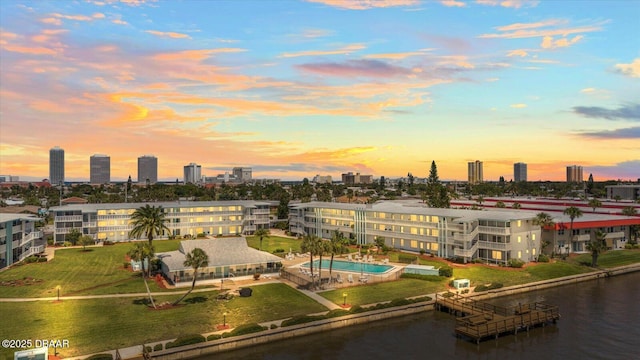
{"x": 509, "y": 3}
{"x": 518, "y": 31}
{"x": 632, "y": 69}
{"x": 519, "y": 52}
{"x": 453, "y": 3}
{"x": 549, "y": 43}
{"x": 169, "y": 34}
{"x": 343, "y": 50}
{"x": 29, "y": 50}
{"x": 395, "y": 56}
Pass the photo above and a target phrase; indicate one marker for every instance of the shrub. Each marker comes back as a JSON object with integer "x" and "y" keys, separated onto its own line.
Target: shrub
{"x": 157, "y": 347}
{"x": 274, "y": 326}
{"x": 50, "y": 241}
{"x": 422, "y": 251}
{"x": 126, "y": 264}
{"x": 631, "y": 246}
{"x": 247, "y": 329}
{"x": 543, "y": 258}
{"x": 276, "y": 251}
{"x": 405, "y": 258}
{"x": 478, "y": 261}
{"x": 214, "y": 337}
{"x": 356, "y": 309}
{"x": 301, "y": 320}
{"x": 492, "y": 286}
{"x": 445, "y": 271}
{"x": 100, "y": 357}
{"x": 399, "y": 302}
{"x": 148, "y": 348}
{"x": 336, "y": 313}
{"x": 186, "y": 340}
{"x": 434, "y": 278}
{"x": 516, "y": 263}
{"x": 201, "y": 235}
{"x": 66, "y": 243}
{"x": 107, "y": 242}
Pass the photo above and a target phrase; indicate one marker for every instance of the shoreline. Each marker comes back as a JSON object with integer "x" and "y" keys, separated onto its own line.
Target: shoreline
{"x": 280, "y": 333}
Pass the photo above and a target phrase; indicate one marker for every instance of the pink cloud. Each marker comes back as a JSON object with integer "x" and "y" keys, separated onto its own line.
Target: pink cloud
{"x": 356, "y": 68}
{"x": 168, "y": 34}
{"x": 366, "y": 4}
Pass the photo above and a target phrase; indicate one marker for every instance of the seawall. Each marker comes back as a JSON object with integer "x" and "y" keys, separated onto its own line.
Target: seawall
{"x": 283, "y": 333}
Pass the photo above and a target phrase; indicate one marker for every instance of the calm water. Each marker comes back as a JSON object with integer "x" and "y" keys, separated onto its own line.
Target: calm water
{"x": 600, "y": 320}
{"x": 352, "y": 266}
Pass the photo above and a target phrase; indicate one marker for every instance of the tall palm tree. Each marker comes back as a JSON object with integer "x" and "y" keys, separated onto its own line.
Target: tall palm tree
{"x": 594, "y": 203}
{"x": 262, "y": 233}
{"x": 596, "y": 247}
{"x": 197, "y": 259}
{"x": 337, "y": 246}
{"x": 310, "y": 245}
{"x": 142, "y": 252}
{"x": 573, "y": 213}
{"x": 148, "y": 221}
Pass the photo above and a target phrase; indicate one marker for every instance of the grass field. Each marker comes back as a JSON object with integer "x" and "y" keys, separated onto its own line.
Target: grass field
{"x": 609, "y": 259}
{"x": 103, "y": 324}
{"x": 380, "y": 292}
{"x": 275, "y": 242}
{"x": 98, "y": 271}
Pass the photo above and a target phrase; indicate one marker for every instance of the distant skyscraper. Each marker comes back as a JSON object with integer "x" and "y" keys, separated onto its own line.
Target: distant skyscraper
{"x": 56, "y": 166}
{"x": 242, "y": 174}
{"x": 519, "y": 172}
{"x": 475, "y": 172}
{"x": 148, "y": 169}
{"x": 99, "y": 169}
{"x": 574, "y": 173}
{"x": 192, "y": 173}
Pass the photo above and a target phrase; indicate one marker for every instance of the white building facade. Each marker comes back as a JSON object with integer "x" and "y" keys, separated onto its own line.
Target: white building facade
{"x": 493, "y": 236}
{"x": 19, "y": 238}
{"x": 112, "y": 222}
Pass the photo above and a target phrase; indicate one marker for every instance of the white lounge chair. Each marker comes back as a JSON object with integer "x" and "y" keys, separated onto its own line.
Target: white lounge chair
{"x": 349, "y": 257}
{"x": 350, "y": 278}
{"x": 339, "y": 279}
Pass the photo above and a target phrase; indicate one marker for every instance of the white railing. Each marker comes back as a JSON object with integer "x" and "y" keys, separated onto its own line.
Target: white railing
{"x": 32, "y": 251}
{"x": 583, "y": 237}
{"x": 466, "y": 237}
{"x": 492, "y": 245}
{"x": 466, "y": 253}
{"x": 68, "y": 218}
{"x": 494, "y": 230}
{"x": 613, "y": 235}
{"x": 89, "y": 224}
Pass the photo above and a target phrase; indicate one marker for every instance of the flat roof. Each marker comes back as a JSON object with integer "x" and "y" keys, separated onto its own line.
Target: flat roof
{"x": 4, "y": 217}
{"x": 164, "y": 204}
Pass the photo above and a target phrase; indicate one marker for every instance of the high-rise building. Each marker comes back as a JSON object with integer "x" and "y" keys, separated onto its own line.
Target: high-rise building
{"x": 148, "y": 169}
{"x": 99, "y": 169}
{"x": 574, "y": 173}
{"x": 475, "y": 172}
{"x": 242, "y": 174}
{"x": 192, "y": 173}
{"x": 519, "y": 172}
{"x": 56, "y": 165}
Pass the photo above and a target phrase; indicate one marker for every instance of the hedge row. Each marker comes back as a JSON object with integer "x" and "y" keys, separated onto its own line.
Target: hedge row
{"x": 185, "y": 340}
{"x": 481, "y": 288}
{"x": 434, "y": 278}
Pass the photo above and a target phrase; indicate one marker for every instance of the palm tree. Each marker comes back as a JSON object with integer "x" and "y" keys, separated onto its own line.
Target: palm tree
{"x": 337, "y": 246}
{"x": 594, "y": 203}
{"x": 148, "y": 221}
{"x": 573, "y": 212}
{"x": 633, "y": 229}
{"x": 142, "y": 252}
{"x": 597, "y": 247}
{"x": 197, "y": 259}
{"x": 545, "y": 221}
{"x": 322, "y": 247}
{"x": 309, "y": 244}
{"x": 480, "y": 200}
{"x": 262, "y": 233}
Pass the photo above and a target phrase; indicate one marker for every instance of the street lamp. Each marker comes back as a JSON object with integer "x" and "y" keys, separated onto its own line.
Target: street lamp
{"x": 224, "y": 319}
{"x": 344, "y": 302}
{"x": 58, "y": 288}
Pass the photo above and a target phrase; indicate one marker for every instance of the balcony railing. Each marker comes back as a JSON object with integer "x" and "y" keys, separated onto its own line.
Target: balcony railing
{"x": 468, "y": 253}
{"x": 494, "y": 230}
{"x": 492, "y": 245}
{"x": 68, "y": 218}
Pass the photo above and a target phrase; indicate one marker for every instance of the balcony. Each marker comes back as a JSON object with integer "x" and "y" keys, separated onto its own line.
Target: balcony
{"x": 494, "y": 230}
{"x": 583, "y": 237}
{"x": 492, "y": 245}
{"x": 68, "y": 218}
{"x": 89, "y": 224}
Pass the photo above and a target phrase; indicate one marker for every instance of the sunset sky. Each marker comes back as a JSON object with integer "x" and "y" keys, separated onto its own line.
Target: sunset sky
{"x": 299, "y": 88}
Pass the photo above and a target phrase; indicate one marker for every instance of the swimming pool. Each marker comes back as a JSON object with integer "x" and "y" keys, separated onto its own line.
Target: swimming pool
{"x": 352, "y": 266}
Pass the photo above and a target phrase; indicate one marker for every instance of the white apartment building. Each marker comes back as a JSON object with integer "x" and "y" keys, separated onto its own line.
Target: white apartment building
{"x": 494, "y": 236}
{"x": 19, "y": 238}
{"x": 112, "y": 221}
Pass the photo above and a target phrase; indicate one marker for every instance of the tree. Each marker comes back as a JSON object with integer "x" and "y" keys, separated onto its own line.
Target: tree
{"x": 380, "y": 242}
{"x": 500, "y": 204}
{"x": 73, "y": 236}
{"x": 590, "y": 184}
{"x": 310, "y": 245}
{"x": 148, "y": 221}
{"x": 262, "y": 233}
{"x": 594, "y": 203}
{"x": 141, "y": 252}
{"x": 596, "y": 247}
{"x": 480, "y": 200}
{"x": 545, "y": 221}
{"x": 338, "y": 245}
{"x": 85, "y": 240}
{"x": 349, "y": 194}
{"x": 617, "y": 198}
{"x": 196, "y": 259}
{"x": 633, "y": 229}
{"x": 516, "y": 205}
{"x": 436, "y": 194}
{"x": 573, "y": 213}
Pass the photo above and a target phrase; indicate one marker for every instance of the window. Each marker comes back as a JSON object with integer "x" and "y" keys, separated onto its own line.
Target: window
{"x": 533, "y": 237}
{"x": 519, "y": 254}
{"x": 519, "y": 223}
{"x": 496, "y": 255}
{"x": 414, "y": 244}
{"x": 519, "y": 239}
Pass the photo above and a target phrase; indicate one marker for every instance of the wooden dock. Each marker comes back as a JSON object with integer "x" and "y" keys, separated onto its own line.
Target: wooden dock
{"x": 478, "y": 320}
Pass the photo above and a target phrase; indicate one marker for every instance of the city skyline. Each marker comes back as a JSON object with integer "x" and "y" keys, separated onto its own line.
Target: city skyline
{"x": 298, "y": 88}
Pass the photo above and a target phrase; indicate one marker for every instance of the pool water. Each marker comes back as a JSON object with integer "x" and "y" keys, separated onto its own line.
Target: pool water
{"x": 352, "y": 266}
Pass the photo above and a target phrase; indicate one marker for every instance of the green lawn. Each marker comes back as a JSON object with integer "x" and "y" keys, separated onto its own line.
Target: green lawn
{"x": 380, "y": 292}
{"x": 480, "y": 275}
{"x": 98, "y": 271}
{"x": 610, "y": 259}
{"x": 103, "y": 324}
{"x": 275, "y": 242}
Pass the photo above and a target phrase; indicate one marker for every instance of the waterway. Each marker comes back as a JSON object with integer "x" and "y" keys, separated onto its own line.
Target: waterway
{"x": 600, "y": 319}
